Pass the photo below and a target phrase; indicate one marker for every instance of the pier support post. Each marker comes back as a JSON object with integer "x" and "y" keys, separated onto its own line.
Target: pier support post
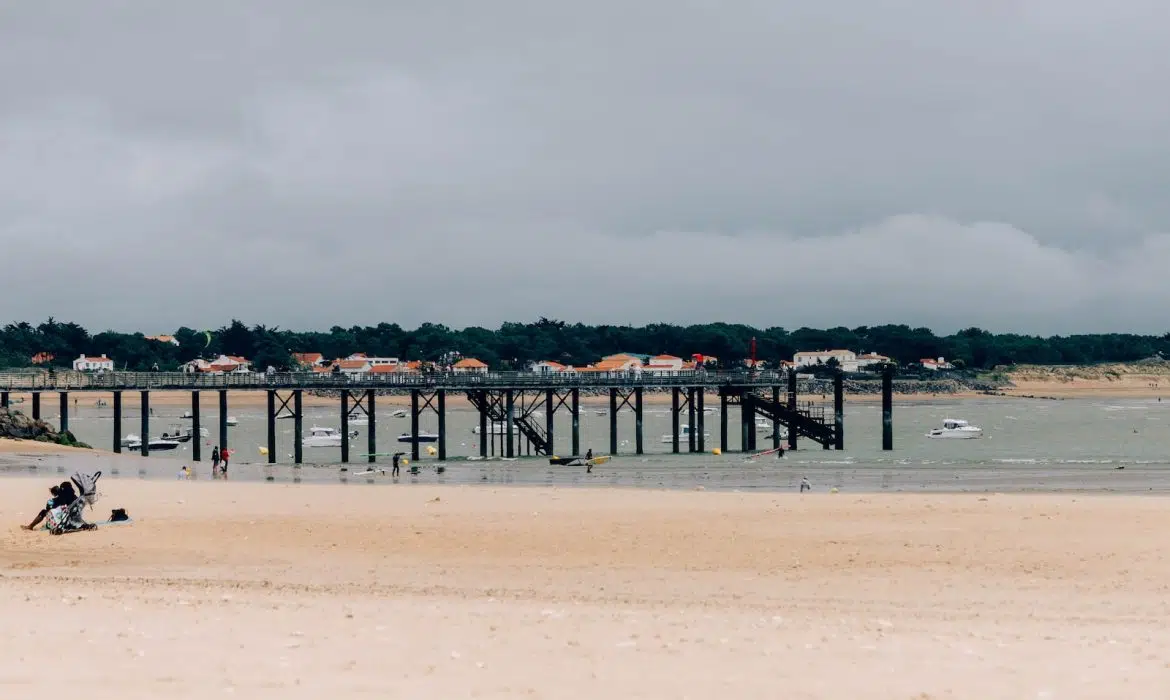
{"x": 345, "y": 426}
{"x": 441, "y": 397}
{"x": 613, "y": 411}
{"x": 745, "y": 427}
{"x": 414, "y": 425}
{"x": 549, "y": 411}
{"x": 792, "y": 406}
{"x": 510, "y": 407}
{"x": 674, "y": 409}
{"x": 3, "y": 399}
{"x": 722, "y": 420}
{"x": 485, "y": 435}
{"x": 298, "y": 428}
{"x": 775, "y": 423}
{"x": 690, "y": 401}
{"x": 36, "y": 399}
{"x": 64, "y": 412}
{"x": 118, "y": 422}
{"x": 839, "y": 409}
{"x": 223, "y": 416}
{"x": 699, "y": 392}
{"x": 638, "y": 421}
{"x": 750, "y": 422}
{"x": 888, "y": 407}
{"x": 575, "y": 406}
{"x": 271, "y": 426}
{"x": 371, "y": 427}
{"x": 196, "y": 429}
{"x": 145, "y": 424}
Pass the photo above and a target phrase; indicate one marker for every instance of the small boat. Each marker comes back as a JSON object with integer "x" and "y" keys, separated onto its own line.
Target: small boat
{"x": 131, "y": 438}
{"x": 578, "y": 461}
{"x": 498, "y": 428}
{"x": 400, "y": 413}
{"x": 322, "y": 437}
{"x": 187, "y": 415}
{"x": 285, "y": 416}
{"x": 181, "y": 434}
{"x": 156, "y": 444}
{"x": 422, "y": 437}
{"x": 360, "y": 419}
{"x": 684, "y": 435}
{"x": 231, "y": 420}
{"x": 955, "y": 429}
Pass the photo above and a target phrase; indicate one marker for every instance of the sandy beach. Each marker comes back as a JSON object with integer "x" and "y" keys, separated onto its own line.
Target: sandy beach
{"x": 256, "y": 590}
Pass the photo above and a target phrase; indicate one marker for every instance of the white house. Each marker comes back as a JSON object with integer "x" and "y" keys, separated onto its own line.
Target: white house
{"x": 870, "y": 358}
{"x": 92, "y": 364}
{"x": 470, "y": 365}
{"x": 940, "y": 363}
{"x": 550, "y": 367}
{"x": 843, "y": 357}
{"x": 663, "y": 364}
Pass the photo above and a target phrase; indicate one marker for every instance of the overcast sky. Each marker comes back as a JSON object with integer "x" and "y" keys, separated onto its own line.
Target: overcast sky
{"x": 1001, "y": 163}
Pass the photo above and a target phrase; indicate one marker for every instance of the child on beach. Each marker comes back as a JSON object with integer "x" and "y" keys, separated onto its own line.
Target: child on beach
{"x": 224, "y": 455}
{"x": 214, "y": 461}
{"x": 59, "y": 497}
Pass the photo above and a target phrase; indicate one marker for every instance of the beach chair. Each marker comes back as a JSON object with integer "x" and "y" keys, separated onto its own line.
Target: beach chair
{"x": 70, "y": 518}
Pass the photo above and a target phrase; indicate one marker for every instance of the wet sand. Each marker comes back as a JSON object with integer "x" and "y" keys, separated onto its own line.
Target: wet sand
{"x": 266, "y": 590}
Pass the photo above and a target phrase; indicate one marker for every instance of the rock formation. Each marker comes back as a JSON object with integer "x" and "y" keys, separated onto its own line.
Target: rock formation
{"x": 16, "y": 425}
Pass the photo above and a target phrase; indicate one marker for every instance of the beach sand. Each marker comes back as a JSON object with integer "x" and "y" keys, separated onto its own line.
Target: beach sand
{"x": 223, "y": 589}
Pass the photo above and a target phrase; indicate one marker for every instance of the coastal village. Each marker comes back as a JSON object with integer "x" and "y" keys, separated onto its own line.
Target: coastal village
{"x": 360, "y": 363}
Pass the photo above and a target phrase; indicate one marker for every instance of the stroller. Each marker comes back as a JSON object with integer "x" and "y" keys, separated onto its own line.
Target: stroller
{"x": 69, "y": 518}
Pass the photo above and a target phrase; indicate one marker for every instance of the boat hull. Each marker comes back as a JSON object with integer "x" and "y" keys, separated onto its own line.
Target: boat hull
{"x": 421, "y": 438}
{"x": 956, "y": 435}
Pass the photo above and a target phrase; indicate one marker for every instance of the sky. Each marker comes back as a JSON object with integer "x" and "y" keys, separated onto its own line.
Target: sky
{"x": 993, "y": 163}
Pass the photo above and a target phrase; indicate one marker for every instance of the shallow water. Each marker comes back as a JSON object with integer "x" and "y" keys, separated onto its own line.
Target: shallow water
{"x": 1081, "y": 444}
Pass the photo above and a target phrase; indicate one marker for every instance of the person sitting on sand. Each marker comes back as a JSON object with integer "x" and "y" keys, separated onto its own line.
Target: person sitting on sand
{"x": 804, "y": 484}
{"x": 62, "y": 495}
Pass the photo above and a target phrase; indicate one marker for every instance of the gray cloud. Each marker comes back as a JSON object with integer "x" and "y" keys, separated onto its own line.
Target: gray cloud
{"x": 998, "y": 163}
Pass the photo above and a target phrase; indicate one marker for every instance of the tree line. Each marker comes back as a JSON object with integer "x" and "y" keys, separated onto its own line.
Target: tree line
{"x": 514, "y": 345}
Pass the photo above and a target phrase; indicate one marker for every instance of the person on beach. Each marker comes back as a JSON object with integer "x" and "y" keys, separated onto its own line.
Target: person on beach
{"x": 224, "y": 455}
{"x": 214, "y": 461}
{"x": 804, "y": 484}
{"x": 394, "y": 470}
{"x": 59, "y": 496}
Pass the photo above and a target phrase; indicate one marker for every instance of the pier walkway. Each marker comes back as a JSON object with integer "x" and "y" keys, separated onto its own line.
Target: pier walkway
{"x": 515, "y": 408}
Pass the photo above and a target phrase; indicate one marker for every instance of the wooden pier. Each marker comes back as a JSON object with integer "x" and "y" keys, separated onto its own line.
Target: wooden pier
{"x": 516, "y": 410}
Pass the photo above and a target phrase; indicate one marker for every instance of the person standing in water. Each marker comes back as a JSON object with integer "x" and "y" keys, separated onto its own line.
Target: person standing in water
{"x": 214, "y": 461}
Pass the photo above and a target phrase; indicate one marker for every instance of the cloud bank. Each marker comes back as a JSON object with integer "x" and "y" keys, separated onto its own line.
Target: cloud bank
{"x": 1000, "y": 164}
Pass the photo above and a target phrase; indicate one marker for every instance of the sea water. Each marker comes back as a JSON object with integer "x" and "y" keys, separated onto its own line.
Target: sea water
{"x": 1028, "y": 445}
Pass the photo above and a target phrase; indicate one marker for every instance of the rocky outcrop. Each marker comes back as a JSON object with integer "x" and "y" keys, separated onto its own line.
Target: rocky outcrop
{"x": 16, "y": 425}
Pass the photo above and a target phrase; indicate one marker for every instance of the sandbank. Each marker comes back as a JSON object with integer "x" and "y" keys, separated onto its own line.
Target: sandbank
{"x": 273, "y": 591}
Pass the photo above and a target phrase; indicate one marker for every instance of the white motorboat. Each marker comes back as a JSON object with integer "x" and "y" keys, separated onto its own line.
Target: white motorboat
{"x": 231, "y": 421}
{"x": 763, "y": 425}
{"x": 322, "y": 437}
{"x": 684, "y": 436}
{"x": 955, "y": 429}
{"x": 400, "y": 413}
{"x": 498, "y": 428}
{"x": 358, "y": 419}
{"x": 423, "y": 436}
{"x": 187, "y": 415}
{"x": 155, "y": 445}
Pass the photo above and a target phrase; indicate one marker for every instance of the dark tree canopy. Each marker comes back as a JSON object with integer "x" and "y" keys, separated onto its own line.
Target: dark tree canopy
{"x": 514, "y": 345}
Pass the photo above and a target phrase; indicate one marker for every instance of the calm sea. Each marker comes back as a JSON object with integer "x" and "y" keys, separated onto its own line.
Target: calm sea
{"x": 1028, "y": 445}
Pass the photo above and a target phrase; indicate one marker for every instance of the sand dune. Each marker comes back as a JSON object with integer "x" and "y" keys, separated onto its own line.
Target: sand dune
{"x": 258, "y": 591}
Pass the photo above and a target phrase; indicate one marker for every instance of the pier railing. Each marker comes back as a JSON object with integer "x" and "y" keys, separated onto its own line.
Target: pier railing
{"x": 456, "y": 381}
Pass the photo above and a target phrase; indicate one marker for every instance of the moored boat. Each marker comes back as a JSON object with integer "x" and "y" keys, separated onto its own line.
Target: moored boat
{"x": 955, "y": 429}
